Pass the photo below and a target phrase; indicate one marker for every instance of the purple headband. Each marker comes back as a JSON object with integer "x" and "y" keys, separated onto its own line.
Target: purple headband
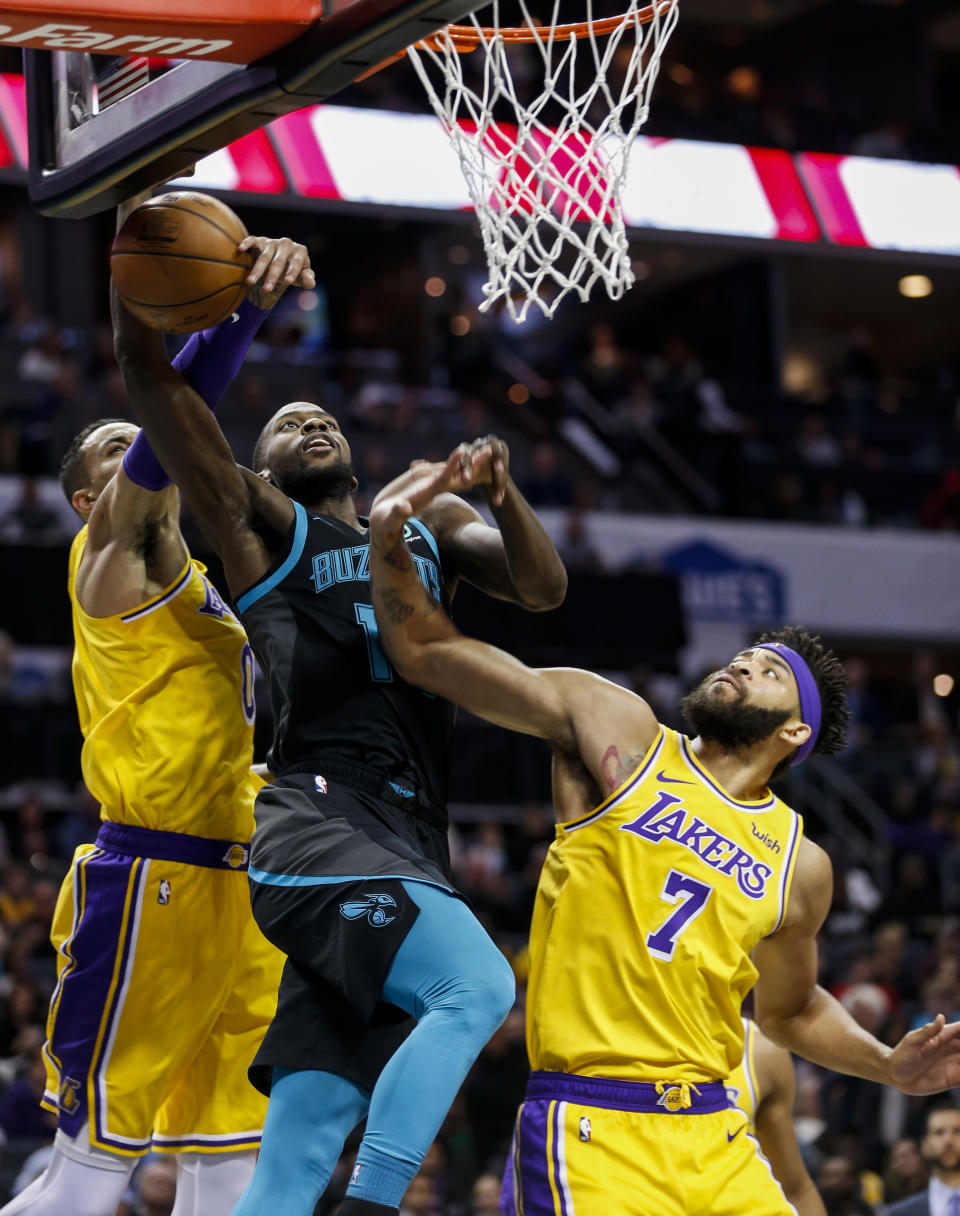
{"x": 809, "y": 694}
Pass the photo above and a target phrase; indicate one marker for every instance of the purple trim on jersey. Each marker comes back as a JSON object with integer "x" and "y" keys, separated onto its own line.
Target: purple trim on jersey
{"x": 785, "y": 870}
{"x": 174, "y": 846}
{"x": 165, "y": 598}
{"x": 638, "y": 1096}
{"x": 84, "y": 990}
{"x": 810, "y": 710}
{"x": 719, "y": 790}
{"x": 139, "y": 869}
{"x": 616, "y": 799}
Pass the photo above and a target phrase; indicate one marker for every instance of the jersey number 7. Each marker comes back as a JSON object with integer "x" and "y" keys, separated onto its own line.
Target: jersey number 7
{"x": 691, "y": 896}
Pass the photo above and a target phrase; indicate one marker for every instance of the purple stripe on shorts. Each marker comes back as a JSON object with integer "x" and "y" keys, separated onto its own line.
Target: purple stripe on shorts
{"x": 129, "y": 943}
{"x": 507, "y": 1205}
{"x": 167, "y": 1143}
{"x": 623, "y": 1095}
{"x": 536, "y": 1198}
{"x": 557, "y": 1145}
{"x": 84, "y": 991}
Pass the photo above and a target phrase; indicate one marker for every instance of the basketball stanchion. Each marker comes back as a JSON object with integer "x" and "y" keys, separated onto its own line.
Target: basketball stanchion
{"x": 545, "y": 166}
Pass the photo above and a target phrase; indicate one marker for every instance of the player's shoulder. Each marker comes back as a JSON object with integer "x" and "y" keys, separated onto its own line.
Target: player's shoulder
{"x": 811, "y": 892}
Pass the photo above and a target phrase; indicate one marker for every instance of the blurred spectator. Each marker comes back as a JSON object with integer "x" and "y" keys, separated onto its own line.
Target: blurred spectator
{"x": 839, "y": 1187}
{"x": 421, "y": 1197}
{"x": 485, "y": 1196}
{"x": 17, "y": 903}
{"x": 546, "y": 485}
{"x": 815, "y": 443}
{"x": 906, "y": 1170}
{"x": 941, "y": 1152}
{"x": 941, "y": 507}
{"x": 575, "y": 547}
{"x": 21, "y": 1116}
{"x": 155, "y": 1188}
{"x": 31, "y": 521}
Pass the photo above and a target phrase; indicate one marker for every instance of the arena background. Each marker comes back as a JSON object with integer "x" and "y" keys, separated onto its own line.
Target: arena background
{"x": 764, "y": 430}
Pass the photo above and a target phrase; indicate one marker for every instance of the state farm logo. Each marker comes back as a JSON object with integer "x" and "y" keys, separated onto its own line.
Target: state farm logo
{"x": 59, "y": 37}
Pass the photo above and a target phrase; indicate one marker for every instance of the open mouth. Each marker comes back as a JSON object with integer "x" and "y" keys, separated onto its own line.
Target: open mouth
{"x": 726, "y": 678}
{"x": 316, "y": 445}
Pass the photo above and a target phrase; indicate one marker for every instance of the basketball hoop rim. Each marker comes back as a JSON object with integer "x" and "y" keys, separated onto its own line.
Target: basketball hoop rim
{"x": 465, "y": 38}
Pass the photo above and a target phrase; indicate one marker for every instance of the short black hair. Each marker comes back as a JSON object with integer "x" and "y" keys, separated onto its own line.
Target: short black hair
{"x": 73, "y": 467}
{"x": 831, "y": 680}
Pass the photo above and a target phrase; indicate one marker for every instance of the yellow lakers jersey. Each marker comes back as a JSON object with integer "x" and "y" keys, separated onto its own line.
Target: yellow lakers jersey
{"x": 645, "y": 917}
{"x": 742, "y": 1086}
{"x": 165, "y": 698}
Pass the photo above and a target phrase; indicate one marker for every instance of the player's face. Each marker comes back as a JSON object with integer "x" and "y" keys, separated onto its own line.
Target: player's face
{"x": 306, "y": 454}
{"x": 941, "y": 1145}
{"x": 745, "y": 703}
{"x": 103, "y": 452}
{"x": 756, "y": 677}
{"x": 306, "y": 434}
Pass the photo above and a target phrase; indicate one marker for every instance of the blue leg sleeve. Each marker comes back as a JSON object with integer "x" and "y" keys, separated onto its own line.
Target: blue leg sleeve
{"x": 309, "y": 1116}
{"x": 454, "y": 980}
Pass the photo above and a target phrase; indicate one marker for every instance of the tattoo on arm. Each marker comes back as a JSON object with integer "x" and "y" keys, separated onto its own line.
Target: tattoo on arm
{"x": 399, "y": 556}
{"x": 616, "y": 770}
{"x": 396, "y": 609}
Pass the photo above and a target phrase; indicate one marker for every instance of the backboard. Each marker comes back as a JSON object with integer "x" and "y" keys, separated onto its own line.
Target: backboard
{"x": 87, "y": 155}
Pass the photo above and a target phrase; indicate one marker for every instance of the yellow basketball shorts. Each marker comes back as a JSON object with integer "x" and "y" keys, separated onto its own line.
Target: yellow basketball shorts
{"x": 165, "y": 988}
{"x": 586, "y": 1147}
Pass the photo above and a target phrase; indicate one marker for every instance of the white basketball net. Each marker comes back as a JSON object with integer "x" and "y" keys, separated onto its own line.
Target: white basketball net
{"x": 548, "y": 196}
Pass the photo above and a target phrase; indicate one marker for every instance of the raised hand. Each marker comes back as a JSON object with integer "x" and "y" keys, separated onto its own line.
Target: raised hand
{"x": 281, "y": 263}
{"x": 927, "y": 1060}
{"x": 420, "y": 485}
{"x": 493, "y": 474}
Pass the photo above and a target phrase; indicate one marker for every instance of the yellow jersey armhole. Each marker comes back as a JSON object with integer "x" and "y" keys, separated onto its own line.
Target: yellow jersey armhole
{"x": 648, "y": 757}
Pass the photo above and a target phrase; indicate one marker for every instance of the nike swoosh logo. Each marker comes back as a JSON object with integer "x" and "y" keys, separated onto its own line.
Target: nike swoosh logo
{"x": 673, "y": 780}
{"x": 731, "y": 1138}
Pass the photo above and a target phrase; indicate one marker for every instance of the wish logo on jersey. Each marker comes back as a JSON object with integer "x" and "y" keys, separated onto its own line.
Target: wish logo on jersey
{"x": 667, "y": 819}
{"x": 374, "y": 907}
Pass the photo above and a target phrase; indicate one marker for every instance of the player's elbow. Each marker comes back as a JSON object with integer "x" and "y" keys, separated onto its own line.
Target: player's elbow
{"x": 550, "y": 593}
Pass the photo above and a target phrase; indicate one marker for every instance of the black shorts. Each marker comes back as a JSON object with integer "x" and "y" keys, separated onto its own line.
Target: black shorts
{"x": 327, "y": 870}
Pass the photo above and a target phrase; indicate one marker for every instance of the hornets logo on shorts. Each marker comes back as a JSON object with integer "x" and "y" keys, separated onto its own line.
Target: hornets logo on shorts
{"x": 373, "y": 907}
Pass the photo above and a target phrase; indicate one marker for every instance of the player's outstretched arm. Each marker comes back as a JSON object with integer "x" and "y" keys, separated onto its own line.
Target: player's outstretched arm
{"x": 226, "y": 499}
{"x": 575, "y": 710}
{"x": 776, "y": 1087}
{"x": 795, "y": 1012}
{"x": 515, "y": 561}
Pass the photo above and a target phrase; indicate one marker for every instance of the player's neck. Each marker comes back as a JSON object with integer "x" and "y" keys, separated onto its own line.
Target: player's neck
{"x": 743, "y": 774}
{"x": 950, "y": 1178}
{"x": 340, "y": 508}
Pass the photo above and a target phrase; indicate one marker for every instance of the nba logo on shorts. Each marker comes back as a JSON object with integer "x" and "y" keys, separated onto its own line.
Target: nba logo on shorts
{"x": 163, "y": 895}
{"x": 320, "y": 784}
{"x": 585, "y": 1129}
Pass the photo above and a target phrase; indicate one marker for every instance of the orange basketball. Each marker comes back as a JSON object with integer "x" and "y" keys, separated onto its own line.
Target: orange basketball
{"x": 176, "y": 265}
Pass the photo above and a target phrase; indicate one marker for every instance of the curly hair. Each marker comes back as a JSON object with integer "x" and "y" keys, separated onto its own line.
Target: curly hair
{"x": 73, "y": 467}
{"x": 831, "y": 679}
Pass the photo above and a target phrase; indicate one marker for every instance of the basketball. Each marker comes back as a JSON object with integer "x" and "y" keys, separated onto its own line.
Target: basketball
{"x": 176, "y": 265}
